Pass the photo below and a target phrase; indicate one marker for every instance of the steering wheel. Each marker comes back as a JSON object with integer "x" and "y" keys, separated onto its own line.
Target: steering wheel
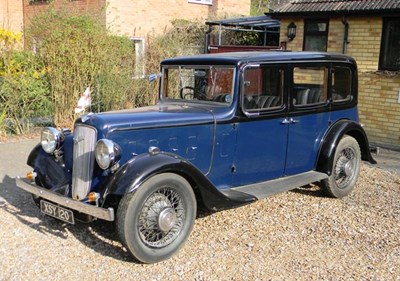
{"x": 188, "y": 95}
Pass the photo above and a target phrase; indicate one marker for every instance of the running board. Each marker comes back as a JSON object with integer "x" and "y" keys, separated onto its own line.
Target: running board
{"x": 268, "y": 188}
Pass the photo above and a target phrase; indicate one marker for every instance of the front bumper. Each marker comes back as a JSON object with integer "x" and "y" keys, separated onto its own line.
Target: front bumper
{"x": 101, "y": 213}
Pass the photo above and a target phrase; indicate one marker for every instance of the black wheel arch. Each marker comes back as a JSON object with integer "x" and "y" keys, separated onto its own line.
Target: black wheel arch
{"x": 34, "y": 154}
{"x": 135, "y": 172}
{"x": 331, "y": 140}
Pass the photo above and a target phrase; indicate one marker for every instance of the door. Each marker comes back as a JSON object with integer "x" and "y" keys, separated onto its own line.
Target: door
{"x": 261, "y": 135}
{"x": 308, "y": 116}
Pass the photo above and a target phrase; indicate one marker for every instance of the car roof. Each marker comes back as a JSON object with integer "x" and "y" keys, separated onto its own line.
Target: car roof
{"x": 237, "y": 58}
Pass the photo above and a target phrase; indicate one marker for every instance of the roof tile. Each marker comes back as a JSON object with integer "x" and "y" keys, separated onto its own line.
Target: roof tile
{"x": 300, "y": 6}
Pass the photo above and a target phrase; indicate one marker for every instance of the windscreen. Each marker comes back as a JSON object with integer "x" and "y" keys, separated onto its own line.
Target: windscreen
{"x": 198, "y": 84}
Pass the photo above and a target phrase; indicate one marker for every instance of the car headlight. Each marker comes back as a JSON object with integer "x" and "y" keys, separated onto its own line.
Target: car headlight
{"x": 51, "y": 139}
{"x": 107, "y": 153}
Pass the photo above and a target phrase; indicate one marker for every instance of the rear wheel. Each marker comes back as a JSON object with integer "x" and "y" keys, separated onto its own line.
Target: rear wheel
{"x": 346, "y": 168}
{"x": 156, "y": 220}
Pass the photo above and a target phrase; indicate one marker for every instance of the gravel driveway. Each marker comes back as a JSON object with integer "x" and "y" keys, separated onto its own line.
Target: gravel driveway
{"x": 291, "y": 236}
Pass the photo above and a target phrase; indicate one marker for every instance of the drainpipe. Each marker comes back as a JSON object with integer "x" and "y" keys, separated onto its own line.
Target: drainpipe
{"x": 346, "y": 35}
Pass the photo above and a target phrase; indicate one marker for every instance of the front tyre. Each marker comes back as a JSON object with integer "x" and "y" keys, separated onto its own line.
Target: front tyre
{"x": 156, "y": 220}
{"x": 346, "y": 168}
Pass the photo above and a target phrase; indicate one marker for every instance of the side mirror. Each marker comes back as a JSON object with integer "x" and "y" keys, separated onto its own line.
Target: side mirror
{"x": 154, "y": 76}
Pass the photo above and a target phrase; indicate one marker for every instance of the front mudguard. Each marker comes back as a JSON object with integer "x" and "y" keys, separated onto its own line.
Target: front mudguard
{"x": 50, "y": 174}
{"x": 332, "y": 138}
{"x": 135, "y": 172}
{"x": 34, "y": 154}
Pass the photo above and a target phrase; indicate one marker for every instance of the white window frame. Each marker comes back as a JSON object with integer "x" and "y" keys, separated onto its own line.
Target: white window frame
{"x": 140, "y": 50}
{"x": 203, "y": 2}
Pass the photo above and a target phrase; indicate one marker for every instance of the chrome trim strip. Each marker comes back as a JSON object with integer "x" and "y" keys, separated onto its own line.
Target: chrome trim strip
{"x": 101, "y": 213}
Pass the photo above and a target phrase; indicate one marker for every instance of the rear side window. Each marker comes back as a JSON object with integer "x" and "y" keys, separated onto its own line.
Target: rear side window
{"x": 310, "y": 86}
{"x": 341, "y": 84}
{"x": 262, "y": 88}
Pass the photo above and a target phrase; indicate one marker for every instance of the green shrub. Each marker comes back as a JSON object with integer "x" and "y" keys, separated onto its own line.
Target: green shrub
{"x": 75, "y": 51}
{"x": 79, "y": 53}
{"x": 24, "y": 87}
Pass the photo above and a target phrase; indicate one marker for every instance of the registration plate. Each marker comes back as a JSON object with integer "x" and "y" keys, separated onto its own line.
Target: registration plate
{"x": 57, "y": 212}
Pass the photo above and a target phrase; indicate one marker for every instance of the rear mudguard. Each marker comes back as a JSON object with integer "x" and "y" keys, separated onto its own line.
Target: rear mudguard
{"x": 135, "y": 172}
{"x": 331, "y": 140}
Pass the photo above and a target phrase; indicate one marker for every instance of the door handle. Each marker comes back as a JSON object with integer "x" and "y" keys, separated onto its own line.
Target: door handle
{"x": 289, "y": 121}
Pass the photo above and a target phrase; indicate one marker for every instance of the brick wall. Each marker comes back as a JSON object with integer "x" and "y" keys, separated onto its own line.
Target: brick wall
{"x": 11, "y": 15}
{"x": 365, "y": 42}
{"x": 95, "y": 7}
{"x": 15, "y": 15}
{"x": 379, "y": 108}
{"x": 335, "y": 36}
{"x": 138, "y": 18}
{"x": 297, "y": 43}
{"x": 378, "y": 92}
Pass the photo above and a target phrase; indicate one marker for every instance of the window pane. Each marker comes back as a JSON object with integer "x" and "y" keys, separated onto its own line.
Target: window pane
{"x": 139, "y": 68}
{"x": 341, "y": 83}
{"x": 310, "y": 85}
{"x": 315, "y": 35}
{"x": 390, "y": 55}
{"x": 200, "y": 84}
{"x": 262, "y": 88}
{"x": 315, "y": 43}
{"x": 316, "y": 27}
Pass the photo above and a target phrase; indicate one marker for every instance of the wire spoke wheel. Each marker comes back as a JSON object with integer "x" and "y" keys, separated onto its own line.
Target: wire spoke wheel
{"x": 161, "y": 218}
{"x": 346, "y": 167}
{"x": 154, "y": 221}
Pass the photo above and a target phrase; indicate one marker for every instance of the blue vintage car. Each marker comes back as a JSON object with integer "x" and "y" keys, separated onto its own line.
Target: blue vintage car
{"x": 228, "y": 129}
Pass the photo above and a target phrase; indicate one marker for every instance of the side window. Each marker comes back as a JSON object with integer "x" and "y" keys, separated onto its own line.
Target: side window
{"x": 262, "y": 88}
{"x": 341, "y": 84}
{"x": 390, "y": 55}
{"x": 309, "y": 85}
{"x": 315, "y": 35}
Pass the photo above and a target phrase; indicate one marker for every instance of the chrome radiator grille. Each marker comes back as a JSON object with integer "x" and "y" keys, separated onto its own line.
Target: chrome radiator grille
{"x": 83, "y": 161}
